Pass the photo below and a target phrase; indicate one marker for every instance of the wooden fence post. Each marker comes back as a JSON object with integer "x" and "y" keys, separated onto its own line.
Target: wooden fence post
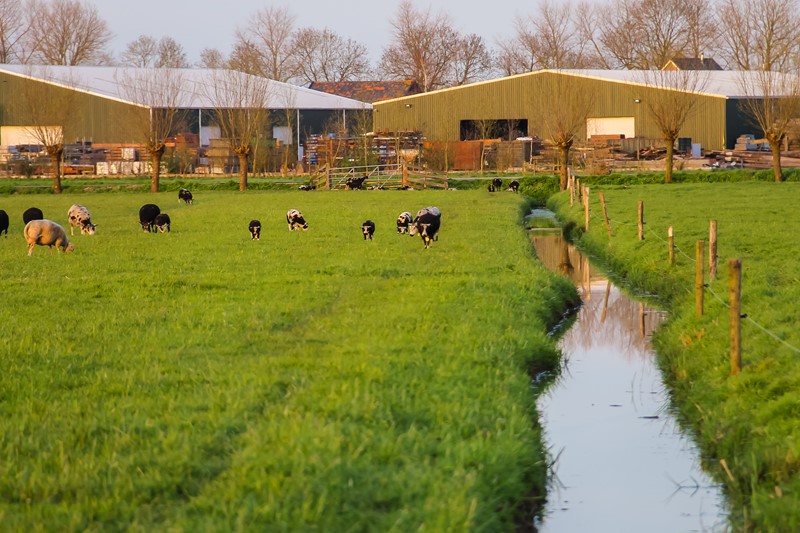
{"x": 572, "y": 191}
{"x": 328, "y": 178}
{"x": 605, "y": 214}
{"x": 698, "y": 279}
{"x": 671, "y": 245}
{"x": 712, "y": 249}
{"x": 735, "y": 302}
{"x": 579, "y": 189}
{"x": 641, "y": 220}
{"x": 405, "y": 175}
{"x": 586, "y": 207}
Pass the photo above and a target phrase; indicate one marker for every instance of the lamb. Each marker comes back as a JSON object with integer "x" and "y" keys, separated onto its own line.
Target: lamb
{"x": 185, "y": 195}
{"x": 47, "y": 233}
{"x": 80, "y": 216}
{"x": 368, "y": 229}
{"x": 162, "y": 223}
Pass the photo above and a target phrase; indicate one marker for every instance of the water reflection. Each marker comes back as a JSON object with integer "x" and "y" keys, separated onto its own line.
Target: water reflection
{"x": 622, "y": 464}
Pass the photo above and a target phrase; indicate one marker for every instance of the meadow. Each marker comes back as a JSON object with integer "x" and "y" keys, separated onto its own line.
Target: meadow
{"x": 747, "y": 424}
{"x": 311, "y": 381}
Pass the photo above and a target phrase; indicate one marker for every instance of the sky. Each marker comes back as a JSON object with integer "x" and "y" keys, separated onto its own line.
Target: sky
{"x": 212, "y": 23}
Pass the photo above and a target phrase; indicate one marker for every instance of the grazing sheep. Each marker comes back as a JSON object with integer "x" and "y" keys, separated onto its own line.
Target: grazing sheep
{"x": 368, "y": 229}
{"x": 147, "y": 215}
{"x": 46, "y": 233}
{"x": 403, "y": 220}
{"x": 32, "y": 213}
{"x": 80, "y": 216}
{"x": 295, "y": 220}
{"x": 427, "y": 224}
{"x": 162, "y": 222}
{"x": 513, "y": 186}
{"x": 255, "y": 229}
{"x": 185, "y": 195}
{"x": 3, "y": 222}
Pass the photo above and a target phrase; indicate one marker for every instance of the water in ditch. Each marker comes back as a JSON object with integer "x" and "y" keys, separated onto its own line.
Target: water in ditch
{"x": 621, "y": 461}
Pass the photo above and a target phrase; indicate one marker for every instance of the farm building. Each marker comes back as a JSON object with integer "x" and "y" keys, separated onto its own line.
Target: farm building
{"x": 102, "y": 100}
{"x": 618, "y": 108}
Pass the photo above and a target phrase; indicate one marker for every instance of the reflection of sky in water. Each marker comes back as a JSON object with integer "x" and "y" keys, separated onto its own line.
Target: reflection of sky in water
{"x": 623, "y": 464}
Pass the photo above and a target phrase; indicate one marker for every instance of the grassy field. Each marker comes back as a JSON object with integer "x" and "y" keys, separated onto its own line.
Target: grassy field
{"x": 751, "y": 421}
{"x": 309, "y": 381}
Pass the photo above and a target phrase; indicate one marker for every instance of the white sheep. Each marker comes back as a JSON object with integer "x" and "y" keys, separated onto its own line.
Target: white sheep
{"x": 47, "y": 233}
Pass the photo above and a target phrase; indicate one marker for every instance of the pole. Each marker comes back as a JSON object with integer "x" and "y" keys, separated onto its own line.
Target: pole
{"x": 671, "y": 245}
{"x": 605, "y": 214}
{"x": 735, "y": 287}
{"x": 712, "y": 249}
{"x": 641, "y": 220}
{"x": 698, "y": 279}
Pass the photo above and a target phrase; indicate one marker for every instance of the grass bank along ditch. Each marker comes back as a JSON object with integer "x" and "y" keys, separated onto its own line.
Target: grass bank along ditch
{"x": 199, "y": 380}
{"x": 746, "y": 424}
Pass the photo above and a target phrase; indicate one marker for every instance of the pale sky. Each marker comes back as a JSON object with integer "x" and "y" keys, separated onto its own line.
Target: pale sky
{"x": 203, "y": 24}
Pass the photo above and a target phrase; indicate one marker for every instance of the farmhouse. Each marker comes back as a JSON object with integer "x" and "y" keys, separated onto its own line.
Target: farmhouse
{"x": 618, "y": 109}
{"x": 101, "y": 100}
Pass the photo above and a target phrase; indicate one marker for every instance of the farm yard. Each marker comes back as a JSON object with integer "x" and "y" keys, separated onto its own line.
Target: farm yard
{"x": 200, "y": 380}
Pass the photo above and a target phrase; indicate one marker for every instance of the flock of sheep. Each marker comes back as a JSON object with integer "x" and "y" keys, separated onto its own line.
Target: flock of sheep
{"x": 44, "y": 232}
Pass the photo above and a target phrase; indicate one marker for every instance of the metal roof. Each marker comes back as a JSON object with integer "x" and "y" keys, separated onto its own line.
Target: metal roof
{"x": 104, "y": 82}
{"x": 719, "y": 83}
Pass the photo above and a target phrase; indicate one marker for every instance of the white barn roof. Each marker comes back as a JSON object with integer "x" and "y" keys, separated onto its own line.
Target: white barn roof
{"x": 103, "y": 82}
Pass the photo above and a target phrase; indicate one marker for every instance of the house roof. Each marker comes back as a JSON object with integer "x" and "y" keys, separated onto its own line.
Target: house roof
{"x": 729, "y": 84}
{"x": 368, "y": 91}
{"x": 105, "y": 82}
{"x": 692, "y": 63}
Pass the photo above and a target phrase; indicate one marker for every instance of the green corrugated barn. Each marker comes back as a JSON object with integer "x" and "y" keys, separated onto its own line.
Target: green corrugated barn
{"x": 618, "y": 107}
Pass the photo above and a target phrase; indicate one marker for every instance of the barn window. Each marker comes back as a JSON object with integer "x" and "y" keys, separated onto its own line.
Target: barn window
{"x": 505, "y": 129}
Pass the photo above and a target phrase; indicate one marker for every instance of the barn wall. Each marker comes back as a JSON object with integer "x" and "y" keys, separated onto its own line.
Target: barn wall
{"x": 438, "y": 114}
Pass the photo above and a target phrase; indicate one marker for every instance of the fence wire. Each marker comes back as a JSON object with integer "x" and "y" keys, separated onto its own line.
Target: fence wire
{"x": 707, "y": 287}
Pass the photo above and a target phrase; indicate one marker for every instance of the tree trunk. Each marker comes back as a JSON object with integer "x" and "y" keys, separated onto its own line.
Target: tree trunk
{"x": 242, "y": 170}
{"x": 669, "y": 161}
{"x": 155, "y": 171}
{"x": 775, "y": 148}
{"x": 564, "y": 177}
{"x": 55, "y": 154}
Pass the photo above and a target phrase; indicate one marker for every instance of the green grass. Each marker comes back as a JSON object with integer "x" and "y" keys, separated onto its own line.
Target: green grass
{"x": 310, "y": 381}
{"x": 749, "y": 420}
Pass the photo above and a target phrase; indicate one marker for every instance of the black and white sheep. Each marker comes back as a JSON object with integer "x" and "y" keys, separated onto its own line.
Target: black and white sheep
{"x": 3, "y": 222}
{"x": 427, "y": 224}
{"x": 255, "y": 229}
{"x": 162, "y": 222}
{"x": 513, "y": 186}
{"x": 403, "y": 220}
{"x": 185, "y": 195}
{"x": 32, "y": 213}
{"x": 147, "y": 216}
{"x": 355, "y": 183}
{"x": 47, "y": 233}
{"x": 368, "y": 229}
{"x": 295, "y": 220}
{"x": 79, "y": 216}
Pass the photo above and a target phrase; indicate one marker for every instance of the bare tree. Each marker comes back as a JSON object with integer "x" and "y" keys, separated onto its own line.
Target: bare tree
{"x": 157, "y": 91}
{"x": 672, "y": 102}
{"x": 472, "y": 61}
{"x": 50, "y": 109}
{"x": 264, "y": 46}
{"x": 561, "y": 115}
{"x": 761, "y": 34}
{"x": 145, "y": 51}
{"x": 322, "y": 55}
{"x": 212, "y": 58}
{"x": 773, "y": 102}
{"x": 14, "y": 27}
{"x": 140, "y": 52}
{"x": 422, "y": 47}
{"x": 645, "y": 34}
{"x": 241, "y": 107}
{"x": 68, "y": 32}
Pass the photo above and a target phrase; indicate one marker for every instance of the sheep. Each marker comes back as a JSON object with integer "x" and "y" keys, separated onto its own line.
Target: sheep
{"x": 368, "y": 229}
{"x": 3, "y": 222}
{"x": 80, "y": 216}
{"x": 185, "y": 195}
{"x": 162, "y": 222}
{"x": 47, "y": 233}
{"x": 32, "y": 213}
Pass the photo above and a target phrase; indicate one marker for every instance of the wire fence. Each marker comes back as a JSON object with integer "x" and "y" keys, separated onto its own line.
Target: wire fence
{"x": 707, "y": 287}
